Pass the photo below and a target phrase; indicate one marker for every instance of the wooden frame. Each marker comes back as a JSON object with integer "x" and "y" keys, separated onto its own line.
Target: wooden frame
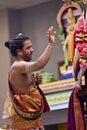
{"x": 64, "y": 9}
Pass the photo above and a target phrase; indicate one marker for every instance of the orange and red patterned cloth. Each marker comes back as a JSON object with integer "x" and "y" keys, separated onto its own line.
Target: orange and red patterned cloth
{"x": 28, "y": 108}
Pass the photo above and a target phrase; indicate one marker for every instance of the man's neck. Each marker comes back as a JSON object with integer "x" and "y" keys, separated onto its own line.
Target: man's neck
{"x": 18, "y": 59}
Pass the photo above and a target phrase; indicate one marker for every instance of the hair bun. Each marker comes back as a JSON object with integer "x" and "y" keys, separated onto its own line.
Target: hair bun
{"x": 7, "y": 44}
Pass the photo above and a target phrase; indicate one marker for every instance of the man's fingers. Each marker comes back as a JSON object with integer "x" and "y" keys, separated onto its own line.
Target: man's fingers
{"x": 51, "y": 31}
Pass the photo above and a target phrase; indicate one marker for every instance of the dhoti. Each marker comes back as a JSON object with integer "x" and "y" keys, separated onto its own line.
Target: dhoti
{"x": 31, "y": 102}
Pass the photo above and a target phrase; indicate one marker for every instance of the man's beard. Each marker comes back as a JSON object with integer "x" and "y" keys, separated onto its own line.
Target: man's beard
{"x": 27, "y": 59}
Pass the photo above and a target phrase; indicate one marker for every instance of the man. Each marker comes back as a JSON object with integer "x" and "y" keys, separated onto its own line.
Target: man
{"x": 27, "y": 98}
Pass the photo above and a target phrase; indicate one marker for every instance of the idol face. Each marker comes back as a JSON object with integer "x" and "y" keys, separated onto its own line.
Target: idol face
{"x": 27, "y": 51}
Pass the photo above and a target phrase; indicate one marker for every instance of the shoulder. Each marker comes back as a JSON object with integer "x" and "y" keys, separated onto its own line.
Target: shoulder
{"x": 22, "y": 66}
{"x": 17, "y": 64}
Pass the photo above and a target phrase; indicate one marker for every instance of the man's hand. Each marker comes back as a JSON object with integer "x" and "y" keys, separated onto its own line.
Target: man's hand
{"x": 37, "y": 78}
{"x": 51, "y": 35}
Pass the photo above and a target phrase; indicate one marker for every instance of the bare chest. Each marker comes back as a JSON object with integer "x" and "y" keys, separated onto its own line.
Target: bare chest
{"x": 21, "y": 83}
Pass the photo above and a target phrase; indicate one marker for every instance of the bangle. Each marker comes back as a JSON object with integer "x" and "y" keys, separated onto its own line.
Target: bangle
{"x": 50, "y": 45}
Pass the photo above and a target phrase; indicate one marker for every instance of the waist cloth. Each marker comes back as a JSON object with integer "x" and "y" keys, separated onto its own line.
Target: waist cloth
{"x": 75, "y": 114}
{"x": 28, "y": 108}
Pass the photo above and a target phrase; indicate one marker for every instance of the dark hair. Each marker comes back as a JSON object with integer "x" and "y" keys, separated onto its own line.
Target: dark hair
{"x": 16, "y": 43}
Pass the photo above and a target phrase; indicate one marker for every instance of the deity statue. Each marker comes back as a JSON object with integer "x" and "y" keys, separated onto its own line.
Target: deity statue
{"x": 68, "y": 46}
{"x": 67, "y": 18}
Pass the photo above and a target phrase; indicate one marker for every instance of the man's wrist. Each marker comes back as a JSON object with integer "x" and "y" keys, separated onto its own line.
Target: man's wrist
{"x": 50, "y": 45}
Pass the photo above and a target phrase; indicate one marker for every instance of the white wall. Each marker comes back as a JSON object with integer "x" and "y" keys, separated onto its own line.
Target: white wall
{"x": 4, "y": 57}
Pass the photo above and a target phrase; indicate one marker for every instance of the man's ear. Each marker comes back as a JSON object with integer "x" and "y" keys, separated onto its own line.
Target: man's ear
{"x": 19, "y": 52}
